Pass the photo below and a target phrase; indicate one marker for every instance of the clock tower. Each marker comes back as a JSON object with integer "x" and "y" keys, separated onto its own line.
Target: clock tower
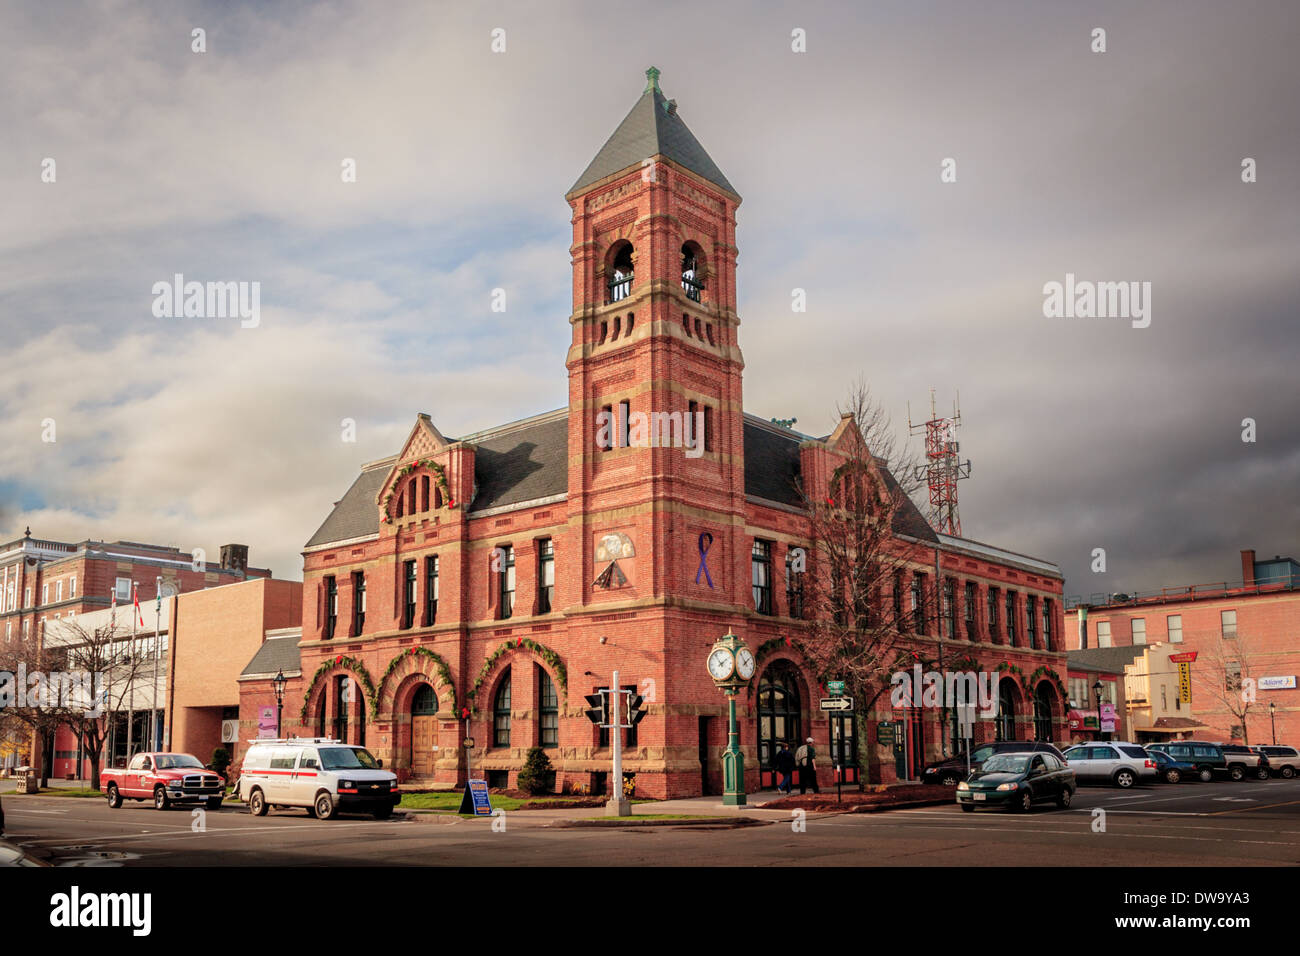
{"x": 655, "y": 443}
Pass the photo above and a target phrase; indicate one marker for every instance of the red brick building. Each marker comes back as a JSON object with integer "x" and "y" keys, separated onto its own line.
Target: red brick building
{"x": 1246, "y": 636}
{"x": 512, "y": 570}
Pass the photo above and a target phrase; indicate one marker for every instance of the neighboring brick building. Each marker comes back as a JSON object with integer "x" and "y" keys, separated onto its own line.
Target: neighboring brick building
{"x": 1106, "y": 665}
{"x": 512, "y": 570}
{"x": 1241, "y": 633}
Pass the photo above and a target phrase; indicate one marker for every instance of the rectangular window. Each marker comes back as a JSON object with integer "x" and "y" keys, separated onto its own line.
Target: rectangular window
{"x": 1232, "y": 675}
{"x": 917, "y": 603}
{"x": 1139, "y": 625}
{"x": 610, "y": 429}
{"x": 45, "y": 594}
{"x": 994, "y": 630}
{"x": 331, "y": 606}
{"x": 431, "y": 590}
{"x": 1228, "y": 621}
{"x": 761, "y": 575}
{"x": 708, "y": 429}
{"x": 58, "y": 591}
{"x": 898, "y": 599}
{"x": 793, "y": 588}
{"x": 123, "y": 590}
{"x": 949, "y": 610}
{"x": 968, "y": 612}
{"x": 1031, "y": 619}
{"x": 1011, "y": 617}
{"x": 1175, "y": 623}
{"x": 342, "y": 698}
{"x": 1103, "y": 633}
{"x": 506, "y": 582}
{"x": 688, "y": 428}
{"x": 27, "y": 597}
{"x": 408, "y": 593}
{"x": 358, "y": 602}
{"x": 549, "y": 727}
{"x": 1047, "y": 623}
{"x": 624, "y": 414}
{"x": 72, "y": 586}
{"x": 545, "y": 575}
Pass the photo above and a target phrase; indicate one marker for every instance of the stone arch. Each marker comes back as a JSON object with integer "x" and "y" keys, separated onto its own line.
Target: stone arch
{"x": 1011, "y": 708}
{"x": 322, "y": 680}
{"x": 398, "y": 682}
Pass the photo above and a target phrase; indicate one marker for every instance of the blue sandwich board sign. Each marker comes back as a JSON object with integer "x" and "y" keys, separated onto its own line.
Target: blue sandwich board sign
{"x": 476, "y": 799}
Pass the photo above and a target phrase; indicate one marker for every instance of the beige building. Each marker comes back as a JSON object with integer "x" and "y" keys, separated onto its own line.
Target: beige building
{"x": 1155, "y": 711}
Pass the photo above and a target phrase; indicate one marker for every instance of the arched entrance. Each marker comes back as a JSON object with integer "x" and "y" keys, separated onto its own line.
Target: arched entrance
{"x": 779, "y": 717}
{"x": 1043, "y": 711}
{"x": 424, "y": 730}
{"x": 1005, "y": 723}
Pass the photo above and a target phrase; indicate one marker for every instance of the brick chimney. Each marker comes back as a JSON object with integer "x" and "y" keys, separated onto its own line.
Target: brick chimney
{"x": 1248, "y": 568}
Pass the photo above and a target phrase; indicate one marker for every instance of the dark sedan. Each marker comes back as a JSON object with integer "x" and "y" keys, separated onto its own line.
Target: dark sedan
{"x": 1172, "y": 769}
{"x": 949, "y": 772}
{"x": 1016, "y": 781}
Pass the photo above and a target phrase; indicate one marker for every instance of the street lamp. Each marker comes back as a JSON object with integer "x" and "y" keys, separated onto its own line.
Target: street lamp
{"x": 278, "y": 683}
{"x": 1097, "y": 689}
{"x": 1272, "y": 711}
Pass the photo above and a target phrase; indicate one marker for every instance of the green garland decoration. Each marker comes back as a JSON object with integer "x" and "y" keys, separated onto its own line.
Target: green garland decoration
{"x": 437, "y": 469}
{"x": 1049, "y": 674}
{"x": 541, "y": 650}
{"x": 444, "y": 675}
{"x": 327, "y": 665}
{"x": 966, "y": 663}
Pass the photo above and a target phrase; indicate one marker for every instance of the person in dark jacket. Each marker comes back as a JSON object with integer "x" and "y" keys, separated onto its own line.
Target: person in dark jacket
{"x": 784, "y": 763}
{"x": 806, "y": 757}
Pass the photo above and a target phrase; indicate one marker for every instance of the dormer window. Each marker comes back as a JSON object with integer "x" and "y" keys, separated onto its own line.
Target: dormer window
{"x": 620, "y": 272}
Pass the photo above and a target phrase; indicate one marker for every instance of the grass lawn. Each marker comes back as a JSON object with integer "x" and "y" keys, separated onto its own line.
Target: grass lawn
{"x": 62, "y": 792}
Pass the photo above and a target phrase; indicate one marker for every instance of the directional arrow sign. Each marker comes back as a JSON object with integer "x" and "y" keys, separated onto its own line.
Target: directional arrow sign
{"x": 837, "y": 703}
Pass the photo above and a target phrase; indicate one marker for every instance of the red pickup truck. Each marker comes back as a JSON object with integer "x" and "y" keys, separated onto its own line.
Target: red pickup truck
{"x": 165, "y": 779}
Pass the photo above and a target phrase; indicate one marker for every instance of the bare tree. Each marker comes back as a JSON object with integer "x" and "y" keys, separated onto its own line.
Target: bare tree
{"x": 1227, "y": 677}
{"x": 861, "y": 603}
{"x": 24, "y": 662}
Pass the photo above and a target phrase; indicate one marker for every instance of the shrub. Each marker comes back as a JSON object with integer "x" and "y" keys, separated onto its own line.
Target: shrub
{"x": 220, "y": 762}
{"x": 537, "y": 767}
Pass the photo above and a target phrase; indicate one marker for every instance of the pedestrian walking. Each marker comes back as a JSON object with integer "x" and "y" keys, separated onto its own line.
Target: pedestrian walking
{"x": 784, "y": 763}
{"x": 806, "y": 757}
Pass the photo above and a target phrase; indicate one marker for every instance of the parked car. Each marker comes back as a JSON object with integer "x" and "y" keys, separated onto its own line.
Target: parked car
{"x": 164, "y": 778}
{"x": 13, "y": 855}
{"x": 1283, "y": 761}
{"x": 1172, "y": 769}
{"x": 321, "y": 775}
{"x": 1207, "y": 758}
{"x": 1245, "y": 762}
{"x": 949, "y": 772}
{"x": 1112, "y": 761}
{"x": 1017, "y": 781}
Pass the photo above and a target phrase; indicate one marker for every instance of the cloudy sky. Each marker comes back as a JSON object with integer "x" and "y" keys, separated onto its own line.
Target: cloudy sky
{"x": 375, "y": 295}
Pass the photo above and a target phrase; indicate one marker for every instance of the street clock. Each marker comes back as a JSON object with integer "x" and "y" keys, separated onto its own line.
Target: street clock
{"x": 730, "y": 662}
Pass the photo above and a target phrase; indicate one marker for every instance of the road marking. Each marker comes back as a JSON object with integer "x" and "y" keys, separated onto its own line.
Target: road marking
{"x": 1266, "y": 806}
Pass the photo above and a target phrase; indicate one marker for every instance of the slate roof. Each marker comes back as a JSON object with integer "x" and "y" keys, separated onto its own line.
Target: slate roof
{"x": 649, "y": 129}
{"x": 1109, "y": 660}
{"x": 275, "y": 654}
{"x": 528, "y": 460}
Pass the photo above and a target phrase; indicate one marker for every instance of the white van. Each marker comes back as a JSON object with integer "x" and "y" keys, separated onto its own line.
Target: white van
{"x": 319, "y": 774}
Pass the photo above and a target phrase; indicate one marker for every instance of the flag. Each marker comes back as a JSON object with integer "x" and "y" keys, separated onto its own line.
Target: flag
{"x": 112, "y": 614}
{"x": 135, "y": 590}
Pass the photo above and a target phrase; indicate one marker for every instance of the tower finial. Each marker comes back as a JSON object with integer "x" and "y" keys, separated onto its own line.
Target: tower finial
{"x": 652, "y": 80}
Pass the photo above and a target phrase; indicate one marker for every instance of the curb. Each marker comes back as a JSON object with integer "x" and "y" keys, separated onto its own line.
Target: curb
{"x": 717, "y": 823}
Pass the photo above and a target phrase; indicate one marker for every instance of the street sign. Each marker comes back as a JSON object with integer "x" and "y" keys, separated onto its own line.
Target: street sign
{"x": 835, "y": 688}
{"x": 1185, "y": 682}
{"x": 1185, "y": 658}
{"x": 468, "y": 742}
{"x": 476, "y": 799}
{"x": 885, "y": 732}
{"x": 841, "y": 704}
{"x": 1278, "y": 682}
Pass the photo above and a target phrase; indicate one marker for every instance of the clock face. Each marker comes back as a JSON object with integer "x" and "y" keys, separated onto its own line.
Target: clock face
{"x": 745, "y": 663}
{"x": 721, "y": 663}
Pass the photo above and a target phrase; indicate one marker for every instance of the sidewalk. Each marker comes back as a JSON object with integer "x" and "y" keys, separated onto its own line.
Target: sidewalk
{"x": 754, "y": 808}
{"x": 10, "y": 785}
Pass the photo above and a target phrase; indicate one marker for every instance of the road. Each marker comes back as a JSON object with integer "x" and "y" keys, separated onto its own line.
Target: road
{"x": 1222, "y": 824}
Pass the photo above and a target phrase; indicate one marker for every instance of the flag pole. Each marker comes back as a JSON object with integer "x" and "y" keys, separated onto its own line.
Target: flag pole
{"x": 157, "y": 636}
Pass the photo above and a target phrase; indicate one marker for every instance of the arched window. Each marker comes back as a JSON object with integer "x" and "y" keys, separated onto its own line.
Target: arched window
{"x": 401, "y": 504}
{"x": 618, "y": 326}
{"x": 437, "y": 497}
{"x": 424, "y": 492}
{"x": 631, "y": 319}
{"x": 320, "y": 716}
{"x": 692, "y": 271}
{"x": 549, "y": 726}
{"x": 686, "y": 324}
{"x": 779, "y": 716}
{"x": 424, "y": 702}
{"x": 1043, "y": 711}
{"x": 501, "y": 714}
{"x": 410, "y": 496}
{"x": 1005, "y": 722}
{"x": 620, "y": 271}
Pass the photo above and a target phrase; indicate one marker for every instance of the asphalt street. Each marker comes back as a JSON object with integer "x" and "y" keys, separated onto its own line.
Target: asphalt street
{"x": 1222, "y": 823}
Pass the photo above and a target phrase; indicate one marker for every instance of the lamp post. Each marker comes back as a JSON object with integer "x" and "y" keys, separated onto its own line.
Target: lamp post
{"x": 1097, "y": 689}
{"x": 731, "y": 665}
{"x": 278, "y": 684}
{"x": 1272, "y": 712}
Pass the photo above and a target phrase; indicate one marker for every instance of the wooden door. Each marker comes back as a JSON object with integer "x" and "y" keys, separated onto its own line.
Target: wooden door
{"x": 424, "y": 736}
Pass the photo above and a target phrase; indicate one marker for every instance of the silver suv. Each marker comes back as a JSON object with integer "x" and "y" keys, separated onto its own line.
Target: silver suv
{"x": 1283, "y": 761}
{"x": 1112, "y": 761}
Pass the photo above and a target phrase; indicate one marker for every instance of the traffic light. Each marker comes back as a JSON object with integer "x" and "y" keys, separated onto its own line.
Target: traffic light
{"x": 635, "y": 710}
{"x": 597, "y": 708}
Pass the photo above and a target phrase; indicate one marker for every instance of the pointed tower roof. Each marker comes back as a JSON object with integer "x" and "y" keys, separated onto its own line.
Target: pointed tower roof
{"x": 653, "y": 127}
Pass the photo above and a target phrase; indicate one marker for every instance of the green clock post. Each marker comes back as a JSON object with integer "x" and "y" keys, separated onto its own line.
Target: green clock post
{"x": 731, "y": 665}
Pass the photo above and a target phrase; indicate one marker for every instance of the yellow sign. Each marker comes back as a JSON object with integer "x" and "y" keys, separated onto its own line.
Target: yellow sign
{"x": 1185, "y": 682}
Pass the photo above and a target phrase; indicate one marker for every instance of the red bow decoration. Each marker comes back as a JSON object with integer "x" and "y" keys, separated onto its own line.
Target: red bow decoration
{"x": 339, "y": 659}
{"x": 519, "y": 642}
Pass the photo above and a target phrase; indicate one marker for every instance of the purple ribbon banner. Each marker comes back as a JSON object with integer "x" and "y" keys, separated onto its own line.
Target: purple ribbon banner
{"x": 706, "y": 542}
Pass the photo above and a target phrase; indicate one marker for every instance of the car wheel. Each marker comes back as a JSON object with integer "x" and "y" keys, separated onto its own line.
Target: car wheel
{"x": 949, "y": 780}
{"x": 1064, "y": 798}
{"x": 383, "y": 813}
{"x": 257, "y": 804}
{"x": 214, "y": 803}
{"x": 1124, "y": 779}
{"x": 1237, "y": 772}
{"x": 1262, "y": 773}
{"x": 114, "y": 798}
{"x": 1288, "y": 773}
{"x": 325, "y": 807}
{"x": 160, "y": 799}
{"x": 968, "y": 808}
{"x": 1206, "y": 774}
{"x": 1026, "y": 802}
{"x": 1173, "y": 776}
